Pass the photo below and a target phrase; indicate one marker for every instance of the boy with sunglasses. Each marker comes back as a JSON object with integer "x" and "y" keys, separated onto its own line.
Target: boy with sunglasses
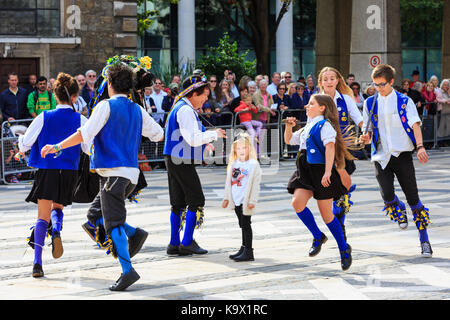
{"x": 392, "y": 127}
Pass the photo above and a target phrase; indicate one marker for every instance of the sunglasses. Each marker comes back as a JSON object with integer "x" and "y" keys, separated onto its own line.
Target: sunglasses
{"x": 158, "y": 83}
{"x": 212, "y": 80}
{"x": 289, "y": 77}
{"x": 282, "y": 89}
{"x": 379, "y": 85}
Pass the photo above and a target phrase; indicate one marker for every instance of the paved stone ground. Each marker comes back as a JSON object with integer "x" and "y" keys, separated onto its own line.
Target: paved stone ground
{"x": 386, "y": 261}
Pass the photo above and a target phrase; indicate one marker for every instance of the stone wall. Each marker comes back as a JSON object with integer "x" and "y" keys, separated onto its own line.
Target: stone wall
{"x": 107, "y": 28}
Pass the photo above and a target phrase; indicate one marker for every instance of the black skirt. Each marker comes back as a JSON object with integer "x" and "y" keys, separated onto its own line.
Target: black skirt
{"x": 309, "y": 177}
{"x": 55, "y": 185}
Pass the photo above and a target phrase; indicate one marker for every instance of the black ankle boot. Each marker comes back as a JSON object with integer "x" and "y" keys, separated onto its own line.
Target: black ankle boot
{"x": 246, "y": 255}
{"x": 232, "y": 256}
{"x": 317, "y": 245}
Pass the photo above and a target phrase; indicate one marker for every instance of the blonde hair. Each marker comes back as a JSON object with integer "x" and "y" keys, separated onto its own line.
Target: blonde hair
{"x": 242, "y": 138}
{"x": 342, "y": 86}
{"x": 293, "y": 84}
{"x": 341, "y": 144}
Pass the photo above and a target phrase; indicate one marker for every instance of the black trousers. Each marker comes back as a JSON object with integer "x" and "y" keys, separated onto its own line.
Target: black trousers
{"x": 110, "y": 202}
{"x": 401, "y": 167}
{"x": 246, "y": 227}
{"x": 185, "y": 188}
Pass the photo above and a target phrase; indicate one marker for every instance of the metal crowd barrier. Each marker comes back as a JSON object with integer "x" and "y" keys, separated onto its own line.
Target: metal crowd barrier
{"x": 10, "y": 167}
{"x": 435, "y": 129}
{"x": 288, "y": 151}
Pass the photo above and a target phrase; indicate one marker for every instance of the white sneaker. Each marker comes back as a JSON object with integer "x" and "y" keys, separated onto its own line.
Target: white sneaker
{"x": 427, "y": 252}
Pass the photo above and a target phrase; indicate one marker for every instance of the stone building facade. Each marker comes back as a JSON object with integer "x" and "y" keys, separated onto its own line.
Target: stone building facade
{"x": 83, "y": 34}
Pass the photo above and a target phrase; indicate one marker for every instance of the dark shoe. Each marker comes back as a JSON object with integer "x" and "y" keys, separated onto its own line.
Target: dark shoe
{"x": 125, "y": 281}
{"x": 89, "y": 230}
{"x": 232, "y": 256}
{"x": 57, "y": 247}
{"x": 193, "y": 248}
{"x": 427, "y": 252}
{"x": 136, "y": 242}
{"x": 246, "y": 255}
{"x": 317, "y": 245}
{"x": 346, "y": 258}
{"x": 172, "y": 249}
{"x": 37, "y": 271}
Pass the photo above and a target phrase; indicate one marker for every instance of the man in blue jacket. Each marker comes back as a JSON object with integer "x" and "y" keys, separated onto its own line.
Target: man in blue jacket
{"x": 13, "y": 101}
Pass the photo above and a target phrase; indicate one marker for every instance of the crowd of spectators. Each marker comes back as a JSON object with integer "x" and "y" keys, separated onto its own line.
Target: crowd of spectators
{"x": 266, "y": 99}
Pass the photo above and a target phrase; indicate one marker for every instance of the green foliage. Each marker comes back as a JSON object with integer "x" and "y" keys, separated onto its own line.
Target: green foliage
{"x": 147, "y": 17}
{"x": 226, "y": 57}
{"x": 419, "y": 16}
{"x": 166, "y": 72}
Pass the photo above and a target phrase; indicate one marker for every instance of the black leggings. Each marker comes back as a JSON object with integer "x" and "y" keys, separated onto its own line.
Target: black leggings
{"x": 246, "y": 227}
{"x": 401, "y": 167}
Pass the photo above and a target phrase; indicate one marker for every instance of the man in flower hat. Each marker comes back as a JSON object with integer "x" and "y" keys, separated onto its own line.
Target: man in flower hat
{"x": 185, "y": 141}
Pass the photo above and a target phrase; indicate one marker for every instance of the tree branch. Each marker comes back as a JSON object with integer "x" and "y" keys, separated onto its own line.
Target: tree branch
{"x": 231, "y": 20}
{"x": 283, "y": 10}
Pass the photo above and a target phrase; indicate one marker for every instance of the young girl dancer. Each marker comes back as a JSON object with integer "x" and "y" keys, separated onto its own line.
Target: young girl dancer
{"x": 332, "y": 83}
{"x": 322, "y": 153}
{"x": 242, "y": 189}
{"x": 56, "y": 176}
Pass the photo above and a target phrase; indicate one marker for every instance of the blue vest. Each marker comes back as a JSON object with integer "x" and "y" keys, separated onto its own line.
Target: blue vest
{"x": 315, "y": 150}
{"x": 174, "y": 143}
{"x": 117, "y": 143}
{"x": 59, "y": 124}
{"x": 343, "y": 111}
{"x": 402, "y": 102}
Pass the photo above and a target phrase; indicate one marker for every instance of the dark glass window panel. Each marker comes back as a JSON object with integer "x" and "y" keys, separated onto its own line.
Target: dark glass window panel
{"x": 17, "y": 4}
{"x": 48, "y": 23}
{"x": 17, "y": 22}
{"x": 48, "y": 4}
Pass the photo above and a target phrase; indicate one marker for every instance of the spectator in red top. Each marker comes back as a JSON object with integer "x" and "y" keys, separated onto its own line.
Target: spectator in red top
{"x": 415, "y": 78}
{"x": 430, "y": 98}
{"x": 253, "y": 127}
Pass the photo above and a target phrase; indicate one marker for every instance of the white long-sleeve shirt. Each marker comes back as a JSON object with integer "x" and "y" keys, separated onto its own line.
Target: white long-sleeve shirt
{"x": 327, "y": 134}
{"x": 97, "y": 121}
{"x": 392, "y": 136}
{"x": 187, "y": 120}
{"x": 27, "y": 141}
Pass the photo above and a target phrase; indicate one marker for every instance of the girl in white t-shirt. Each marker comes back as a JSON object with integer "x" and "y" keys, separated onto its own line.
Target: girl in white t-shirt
{"x": 241, "y": 190}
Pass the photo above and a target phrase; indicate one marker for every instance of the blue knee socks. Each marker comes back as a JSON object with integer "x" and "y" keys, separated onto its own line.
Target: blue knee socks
{"x": 129, "y": 230}
{"x": 40, "y": 231}
{"x": 308, "y": 219}
{"x": 174, "y": 229}
{"x": 423, "y": 234}
{"x": 56, "y": 217}
{"x": 336, "y": 230}
{"x": 191, "y": 220}
{"x": 120, "y": 240}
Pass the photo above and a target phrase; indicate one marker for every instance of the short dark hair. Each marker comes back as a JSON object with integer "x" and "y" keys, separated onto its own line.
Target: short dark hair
{"x": 121, "y": 78}
{"x": 350, "y": 75}
{"x": 384, "y": 71}
{"x": 12, "y": 74}
{"x": 41, "y": 78}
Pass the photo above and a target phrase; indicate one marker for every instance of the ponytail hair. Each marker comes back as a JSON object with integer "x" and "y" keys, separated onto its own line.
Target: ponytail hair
{"x": 65, "y": 86}
{"x": 342, "y": 143}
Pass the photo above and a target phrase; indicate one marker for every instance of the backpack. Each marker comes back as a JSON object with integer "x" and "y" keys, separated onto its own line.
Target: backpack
{"x": 36, "y": 96}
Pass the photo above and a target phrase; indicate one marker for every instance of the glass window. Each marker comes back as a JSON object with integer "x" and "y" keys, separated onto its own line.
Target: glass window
{"x": 30, "y": 17}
